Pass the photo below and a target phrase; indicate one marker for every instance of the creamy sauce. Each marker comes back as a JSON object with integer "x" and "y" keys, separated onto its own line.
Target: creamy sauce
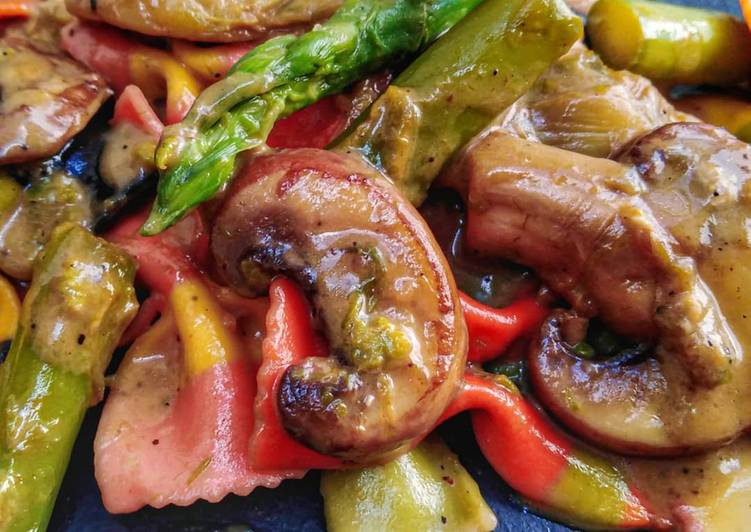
{"x": 128, "y": 155}
{"x": 150, "y": 376}
{"x": 710, "y": 492}
{"x": 703, "y": 200}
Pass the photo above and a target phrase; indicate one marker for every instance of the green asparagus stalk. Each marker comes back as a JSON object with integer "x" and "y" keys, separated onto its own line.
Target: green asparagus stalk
{"x": 459, "y": 85}
{"x": 80, "y": 301}
{"x": 28, "y": 216}
{"x": 671, "y": 44}
{"x": 197, "y": 156}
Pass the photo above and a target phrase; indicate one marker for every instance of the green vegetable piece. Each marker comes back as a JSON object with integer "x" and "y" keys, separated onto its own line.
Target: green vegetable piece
{"x": 669, "y": 43}
{"x": 584, "y": 350}
{"x": 80, "y": 301}
{"x": 515, "y": 371}
{"x": 424, "y": 490}
{"x": 283, "y": 75}
{"x": 593, "y": 491}
{"x": 28, "y": 217}
{"x": 456, "y": 88}
{"x": 373, "y": 342}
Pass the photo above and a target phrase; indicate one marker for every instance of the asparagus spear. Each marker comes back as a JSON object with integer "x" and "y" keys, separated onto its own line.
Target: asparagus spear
{"x": 80, "y": 301}
{"x": 671, "y": 43}
{"x": 459, "y": 85}
{"x": 197, "y": 156}
{"x": 29, "y": 215}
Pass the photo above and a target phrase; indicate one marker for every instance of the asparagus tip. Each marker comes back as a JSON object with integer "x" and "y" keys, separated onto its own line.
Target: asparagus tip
{"x": 156, "y": 222}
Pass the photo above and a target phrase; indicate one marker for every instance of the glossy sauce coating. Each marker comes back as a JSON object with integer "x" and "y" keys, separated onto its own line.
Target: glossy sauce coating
{"x": 586, "y": 228}
{"x": 583, "y": 106}
{"x": 204, "y": 20}
{"x": 706, "y": 492}
{"x": 46, "y": 100}
{"x": 27, "y": 222}
{"x": 379, "y": 285}
{"x": 699, "y": 188}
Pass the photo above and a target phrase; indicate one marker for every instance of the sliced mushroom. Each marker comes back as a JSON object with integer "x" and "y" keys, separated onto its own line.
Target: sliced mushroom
{"x": 644, "y": 406}
{"x": 45, "y": 100}
{"x": 379, "y": 285}
{"x": 588, "y": 228}
{"x": 204, "y": 20}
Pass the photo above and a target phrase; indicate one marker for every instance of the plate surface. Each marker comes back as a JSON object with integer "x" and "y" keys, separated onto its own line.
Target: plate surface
{"x": 296, "y": 505}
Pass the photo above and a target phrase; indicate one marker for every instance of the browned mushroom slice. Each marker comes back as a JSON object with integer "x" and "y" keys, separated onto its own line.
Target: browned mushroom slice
{"x": 380, "y": 287}
{"x": 45, "y": 100}
{"x": 646, "y": 406}
{"x": 205, "y": 20}
{"x": 584, "y": 226}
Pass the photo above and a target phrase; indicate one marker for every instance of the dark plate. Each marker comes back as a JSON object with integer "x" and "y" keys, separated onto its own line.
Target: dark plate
{"x": 296, "y": 505}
